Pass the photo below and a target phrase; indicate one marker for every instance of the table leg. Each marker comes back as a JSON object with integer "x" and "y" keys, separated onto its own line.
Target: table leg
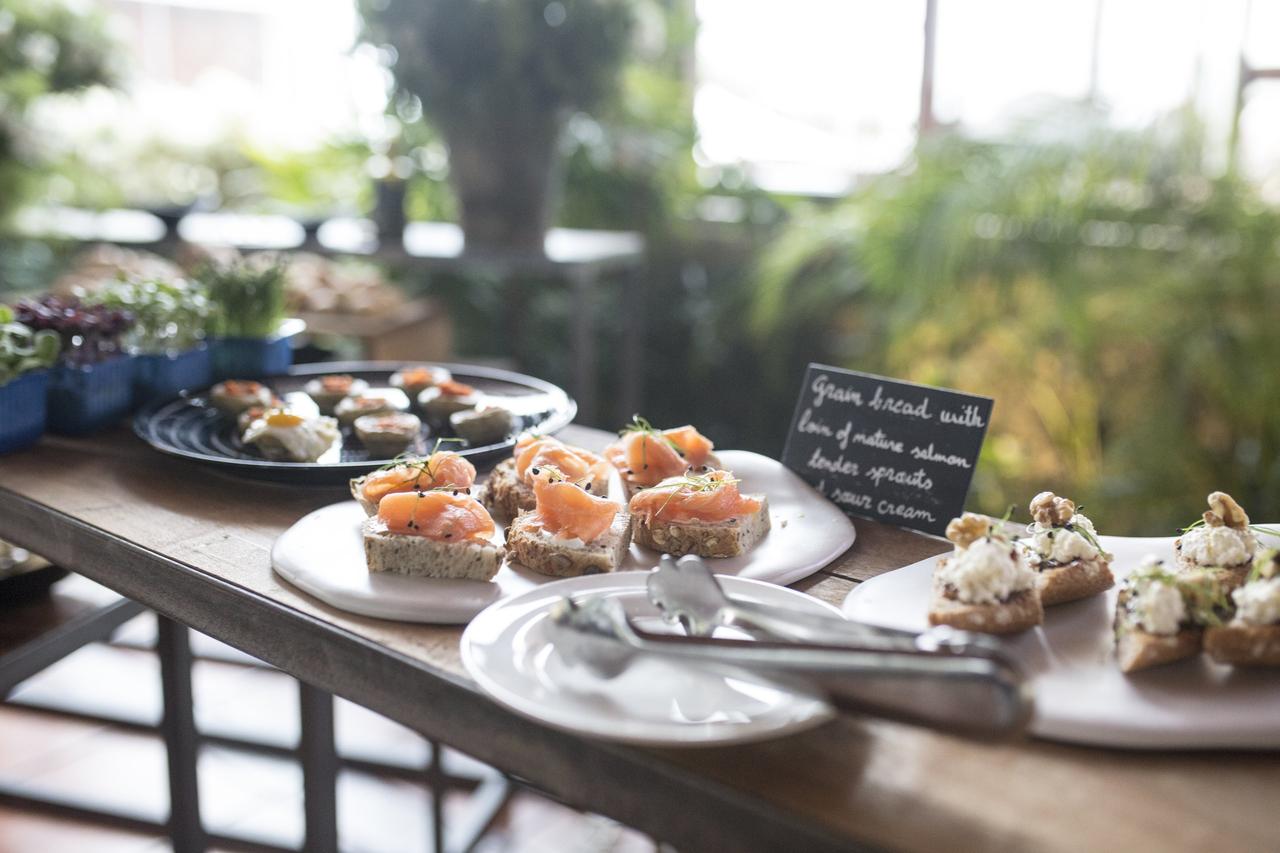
{"x": 435, "y": 790}
{"x": 319, "y": 759}
{"x": 178, "y": 727}
{"x": 582, "y": 336}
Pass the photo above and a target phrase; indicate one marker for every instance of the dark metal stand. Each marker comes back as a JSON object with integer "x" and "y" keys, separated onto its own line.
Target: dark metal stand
{"x": 319, "y": 769}
{"x": 178, "y": 727}
{"x": 315, "y": 750}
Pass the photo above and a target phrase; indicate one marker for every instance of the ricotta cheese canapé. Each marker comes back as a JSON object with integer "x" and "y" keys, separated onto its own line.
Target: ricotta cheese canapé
{"x": 1258, "y": 602}
{"x": 1218, "y": 546}
{"x": 1064, "y": 544}
{"x": 1157, "y": 606}
{"x": 989, "y": 570}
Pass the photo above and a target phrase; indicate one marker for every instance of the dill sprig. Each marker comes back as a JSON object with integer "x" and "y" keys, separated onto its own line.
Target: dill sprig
{"x": 1087, "y": 535}
{"x": 415, "y": 465}
{"x": 642, "y": 425}
{"x": 694, "y": 484}
{"x": 1199, "y": 522}
{"x": 1072, "y": 527}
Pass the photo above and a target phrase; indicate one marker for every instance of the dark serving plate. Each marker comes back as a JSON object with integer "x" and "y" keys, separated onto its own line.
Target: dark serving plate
{"x": 190, "y": 427}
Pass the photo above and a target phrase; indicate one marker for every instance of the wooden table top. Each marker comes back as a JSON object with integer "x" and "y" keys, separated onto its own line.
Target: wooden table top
{"x": 195, "y": 544}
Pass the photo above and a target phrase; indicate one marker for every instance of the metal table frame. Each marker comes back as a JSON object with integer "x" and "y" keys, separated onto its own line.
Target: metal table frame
{"x": 315, "y": 750}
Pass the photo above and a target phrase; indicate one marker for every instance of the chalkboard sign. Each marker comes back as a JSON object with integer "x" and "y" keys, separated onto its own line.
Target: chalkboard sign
{"x": 884, "y": 449}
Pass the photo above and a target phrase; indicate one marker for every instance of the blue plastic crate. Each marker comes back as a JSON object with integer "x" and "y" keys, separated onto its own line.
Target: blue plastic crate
{"x": 23, "y": 410}
{"x": 164, "y": 376}
{"x": 251, "y": 358}
{"x": 86, "y": 398}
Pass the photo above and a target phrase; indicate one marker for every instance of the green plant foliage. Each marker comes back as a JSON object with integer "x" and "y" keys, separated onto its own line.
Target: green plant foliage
{"x": 170, "y": 316}
{"x": 246, "y": 300}
{"x": 1112, "y": 294}
{"x": 46, "y": 47}
{"x": 470, "y": 61}
{"x": 21, "y": 349}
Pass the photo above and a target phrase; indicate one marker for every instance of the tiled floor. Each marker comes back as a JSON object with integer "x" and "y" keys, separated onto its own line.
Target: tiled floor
{"x": 241, "y": 792}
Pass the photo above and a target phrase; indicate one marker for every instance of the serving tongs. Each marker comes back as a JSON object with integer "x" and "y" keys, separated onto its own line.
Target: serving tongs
{"x": 943, "y": 678}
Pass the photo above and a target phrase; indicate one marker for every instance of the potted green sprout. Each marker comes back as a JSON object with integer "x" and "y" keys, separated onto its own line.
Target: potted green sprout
{"x": 170, "y": 320}
{"x": 25, "y": 356}
{"x": 250, "y": 335}
{"x": 91, "y": 386}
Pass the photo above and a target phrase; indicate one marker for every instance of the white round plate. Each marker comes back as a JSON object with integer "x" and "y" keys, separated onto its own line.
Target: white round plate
{"x": 510, "y": 650}
{"x": 323, "y": 554}
{"x": 1081, "y": 694}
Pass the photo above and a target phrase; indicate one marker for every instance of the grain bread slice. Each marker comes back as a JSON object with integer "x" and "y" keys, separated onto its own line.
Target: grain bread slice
{"x": 505, "y": 495}
{"x": 1137, "y": 649}
{"x": 422, "y": 557}
{"x": 357, "y": 492}
{"x": 1019, "y": 612}
{"x": 1073, "y": 581}
{"x": 730, "y": 538}
{"x": 1244, "y": 645}
{"x": 529, "y": 545}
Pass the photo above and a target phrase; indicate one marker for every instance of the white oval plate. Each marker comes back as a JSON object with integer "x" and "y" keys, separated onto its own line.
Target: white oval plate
{"x": 510, "y": 650}
{"x": 1081, "y": 695}
{"x": 323, "y": 553}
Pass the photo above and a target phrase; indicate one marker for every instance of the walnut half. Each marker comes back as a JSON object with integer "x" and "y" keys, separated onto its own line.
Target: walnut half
{"x": 1225, "y": 512}
{"x": 967, "y": 529}
{"x": 1050, "y": 510}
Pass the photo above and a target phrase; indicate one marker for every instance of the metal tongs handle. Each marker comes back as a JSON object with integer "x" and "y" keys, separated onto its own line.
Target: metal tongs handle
{"x": 981, "y": 696}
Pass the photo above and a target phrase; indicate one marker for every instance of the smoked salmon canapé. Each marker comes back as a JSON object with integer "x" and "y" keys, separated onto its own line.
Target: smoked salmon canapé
{"x": 645, "y": 455}
{"x": 509, "y": 488}
{"x": 440, "y": 533}
{"x": 330, "y": 390}
{"x": 443, "y": 469}
{"x": 441, "y": 400}
{"x": 415, "y": 379}
{"x": 234, "y": 396}
{"x": 699, "y": 513}
{"x": 569, "y": 531}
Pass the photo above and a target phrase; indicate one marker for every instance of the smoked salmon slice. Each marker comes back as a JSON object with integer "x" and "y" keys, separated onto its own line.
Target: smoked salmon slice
{"x": 440, "y": 469}
{"x": 573, "y": 463}
{"x": 568, "y": 510}
{"x": 443, "y": 515}
{"x": 646, "y": 456}
{"x": 710, "y": 497}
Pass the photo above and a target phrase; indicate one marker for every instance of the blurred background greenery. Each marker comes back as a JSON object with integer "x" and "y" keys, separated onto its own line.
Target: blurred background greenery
{"x": 1114, "y": 286}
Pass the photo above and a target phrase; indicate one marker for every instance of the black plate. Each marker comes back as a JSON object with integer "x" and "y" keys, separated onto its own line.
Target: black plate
{"x": 192, "y": 428}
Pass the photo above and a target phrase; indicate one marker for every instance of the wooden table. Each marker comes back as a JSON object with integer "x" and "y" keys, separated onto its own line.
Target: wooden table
{"x": 194, "y": 545}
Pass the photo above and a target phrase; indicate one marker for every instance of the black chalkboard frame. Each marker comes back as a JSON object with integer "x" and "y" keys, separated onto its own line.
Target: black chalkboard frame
{"x": 886, "y": 449}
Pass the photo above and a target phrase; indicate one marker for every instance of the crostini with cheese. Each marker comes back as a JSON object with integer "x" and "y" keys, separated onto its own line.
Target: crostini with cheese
{"x": 1252, "y": 636}
{"x": 1063, "y": 550}
{"x": 985, "y": 584}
